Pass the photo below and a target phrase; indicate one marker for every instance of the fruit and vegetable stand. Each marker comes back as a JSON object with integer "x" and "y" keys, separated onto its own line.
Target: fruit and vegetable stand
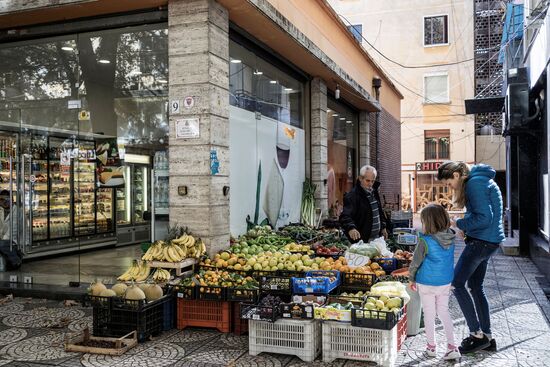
{"x": 290, "y": 290}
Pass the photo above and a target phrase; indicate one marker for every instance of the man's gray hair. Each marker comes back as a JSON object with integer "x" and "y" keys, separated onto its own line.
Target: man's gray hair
{"x": 366, "y": 169}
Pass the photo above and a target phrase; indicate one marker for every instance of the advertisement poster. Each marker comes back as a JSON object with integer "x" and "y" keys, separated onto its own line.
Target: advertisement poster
{"x": 267, "y": 159}
{"x": 109, "y": 170}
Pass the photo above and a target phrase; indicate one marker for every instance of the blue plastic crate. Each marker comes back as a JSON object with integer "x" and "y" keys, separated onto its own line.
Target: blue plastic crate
{"x": 389, "y": 264}
{"x": 316, "y": 282}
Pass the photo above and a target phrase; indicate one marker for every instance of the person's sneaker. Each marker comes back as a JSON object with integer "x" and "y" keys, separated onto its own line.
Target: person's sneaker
{"x": 472, "y": 344}
{"x": 492, "y": 346}
{"x": 452, "y": 354}
{"x": 430, "y": 351}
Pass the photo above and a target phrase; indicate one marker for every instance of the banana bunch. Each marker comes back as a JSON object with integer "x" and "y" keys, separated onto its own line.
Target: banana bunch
{"x": 161, "y": 275}
{"x": 173, "y": 253}
{"x": 193, "y": 248}
{"x": 138, "y": 271}
{"x": 155, "y": 252}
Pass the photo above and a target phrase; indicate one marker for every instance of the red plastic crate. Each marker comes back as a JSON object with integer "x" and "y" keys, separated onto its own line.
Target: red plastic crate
{"x": 200, "y": 313}
{"x": 239, "y": 326}
{"x": 402, "y": 329}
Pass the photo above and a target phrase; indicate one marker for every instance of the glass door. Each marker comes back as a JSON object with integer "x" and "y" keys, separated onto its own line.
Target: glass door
{"x": 8, "y": 188}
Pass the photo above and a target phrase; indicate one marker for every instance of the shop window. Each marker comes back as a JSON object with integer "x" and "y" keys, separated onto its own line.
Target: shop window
{"x": 357, "y": 31}
{"x": 430, "y": 190}
{"x": 436, "y": 30}
{"x": 266, "y": 139}
{"x": 436, "y": 144}
{"x": 342, "y": 126}
{"x": 436, "y": 88}
{"x": 544, "y": 187}
{"x": 258, "y": 86}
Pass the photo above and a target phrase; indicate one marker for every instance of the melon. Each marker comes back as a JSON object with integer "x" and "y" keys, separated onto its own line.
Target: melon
{"x": 153, "y": 292}
{"x": 96, "y": 288}
{"x": 134, "y": 293}
{"x": 107, "y": 293}
{"x": 120, "y": 289}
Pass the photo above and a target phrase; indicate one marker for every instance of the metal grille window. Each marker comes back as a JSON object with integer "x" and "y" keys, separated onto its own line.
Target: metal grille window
{"x": 436, "y": 144}
{"x": 436, "y": 31}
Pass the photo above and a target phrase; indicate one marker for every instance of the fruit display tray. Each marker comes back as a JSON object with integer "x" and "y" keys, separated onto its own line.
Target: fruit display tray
{"x": 179, "y": 266}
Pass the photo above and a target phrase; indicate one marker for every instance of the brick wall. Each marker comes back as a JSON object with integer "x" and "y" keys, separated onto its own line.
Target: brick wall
{"x": 389, "y": 172}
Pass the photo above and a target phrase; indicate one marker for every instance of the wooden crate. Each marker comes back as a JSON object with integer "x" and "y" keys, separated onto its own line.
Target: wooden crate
{"x": 179, "y": 266}
{"x": 122, "y": 344}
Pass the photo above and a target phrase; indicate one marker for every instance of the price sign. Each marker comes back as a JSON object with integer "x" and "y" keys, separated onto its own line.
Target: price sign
{"x": 356, "y": 260}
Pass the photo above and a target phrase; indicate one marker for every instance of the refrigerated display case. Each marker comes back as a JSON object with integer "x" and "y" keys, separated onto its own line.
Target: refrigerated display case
{"x": 160, "y": 194}
{"x": 38, "y": 181}
{"x": 84, "y": 189}
{"x": 133, "y": 201}
{"x": 60, "y": 200}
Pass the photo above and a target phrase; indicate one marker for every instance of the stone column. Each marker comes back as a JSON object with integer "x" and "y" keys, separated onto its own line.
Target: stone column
{"x": 319, "y": 143}
{"x": 198, "y": 44}
{"x": 364, "y": 139}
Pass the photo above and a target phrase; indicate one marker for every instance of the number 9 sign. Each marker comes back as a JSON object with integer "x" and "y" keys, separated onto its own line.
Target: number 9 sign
{"x": 175, "y": 106}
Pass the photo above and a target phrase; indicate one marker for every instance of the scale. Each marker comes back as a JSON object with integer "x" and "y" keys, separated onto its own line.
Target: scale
{"x": 406, "y": 236}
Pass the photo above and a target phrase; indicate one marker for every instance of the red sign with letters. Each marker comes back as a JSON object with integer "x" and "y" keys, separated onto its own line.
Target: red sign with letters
{"x": 428, "y": 166}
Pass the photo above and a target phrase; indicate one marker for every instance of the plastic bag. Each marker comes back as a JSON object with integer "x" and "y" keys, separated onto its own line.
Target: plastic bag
{"x": 390, "y": 289}
{"x": 381, "y": 246}
{"x": 366, "y": 249}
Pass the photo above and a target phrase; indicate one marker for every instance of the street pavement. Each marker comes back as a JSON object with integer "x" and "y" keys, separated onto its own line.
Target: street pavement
{"x": 32, "y": 333}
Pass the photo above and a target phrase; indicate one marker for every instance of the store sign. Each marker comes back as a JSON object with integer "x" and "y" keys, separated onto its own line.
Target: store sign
{"x": 187, "y": 128}
{"x": 428, "y": 166}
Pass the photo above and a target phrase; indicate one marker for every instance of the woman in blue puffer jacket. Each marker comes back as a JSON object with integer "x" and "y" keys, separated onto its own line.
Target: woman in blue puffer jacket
{"x": 482, "y": 225}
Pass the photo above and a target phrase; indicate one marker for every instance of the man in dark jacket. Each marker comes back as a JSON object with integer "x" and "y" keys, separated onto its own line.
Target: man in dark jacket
{"x": 362, "y": 217}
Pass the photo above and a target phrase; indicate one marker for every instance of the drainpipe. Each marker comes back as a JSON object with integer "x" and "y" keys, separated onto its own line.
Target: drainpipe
{"x": 376, "y": 84}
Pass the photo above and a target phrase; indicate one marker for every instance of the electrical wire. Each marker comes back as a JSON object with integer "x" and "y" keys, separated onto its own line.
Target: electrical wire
{"x": 400, "y": 64}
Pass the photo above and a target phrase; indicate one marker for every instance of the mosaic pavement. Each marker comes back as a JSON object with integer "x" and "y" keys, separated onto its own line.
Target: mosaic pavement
{"x": 32, "y": 332}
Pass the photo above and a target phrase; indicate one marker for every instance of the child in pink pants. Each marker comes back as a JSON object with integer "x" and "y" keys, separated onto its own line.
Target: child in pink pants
{"x": 431, "y": 272}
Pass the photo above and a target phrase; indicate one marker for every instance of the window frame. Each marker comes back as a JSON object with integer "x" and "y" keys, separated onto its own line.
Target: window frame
{"x": 426, "y": 101}
{"x": 446, "y": 30}
{"x": 349, "y": 27}
{"x": 437, "y": 134}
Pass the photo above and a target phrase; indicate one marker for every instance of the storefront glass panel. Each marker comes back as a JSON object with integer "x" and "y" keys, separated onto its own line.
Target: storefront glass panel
{"x": 267, "y": 142}
{"x": 76, "y": 112}
{"x": 342, "y": 126}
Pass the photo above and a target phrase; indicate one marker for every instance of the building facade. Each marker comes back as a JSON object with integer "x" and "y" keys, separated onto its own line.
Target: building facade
{"x": 527, "y": 127}
{"x": 137, "y": 116}
{"x": 435, "y": 74}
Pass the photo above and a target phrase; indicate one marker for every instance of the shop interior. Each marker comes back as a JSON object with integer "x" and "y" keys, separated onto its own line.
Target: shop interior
{"x": 83, "y": 149}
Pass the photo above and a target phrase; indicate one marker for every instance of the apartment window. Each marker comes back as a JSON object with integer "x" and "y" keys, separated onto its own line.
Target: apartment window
{"x": 436, "y": 88}
{"x": 357, "y": 31}
{"x": 436, "y": 144}
{"x": 436, "y": 30}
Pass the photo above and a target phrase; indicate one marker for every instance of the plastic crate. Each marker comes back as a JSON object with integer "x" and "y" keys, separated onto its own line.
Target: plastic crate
{"x": 297, "y": 311}
{"x": 388, "y": 264}
{"x": 211, "y": 293}
{"x": 324, "y": 313}
{"x": 260, "y": 313}
{"x": 316, "y": 282}
{"x": 300, "y": 338}
{"x": 290, "y": 273}
{"x": 242, "y": 295}
{"x": 375, "y": 319}
{"x": 341, "y": 340}
{"x": 276, "y": 284}
{"x": 358, "y": 281}
{"x": 200, "y": 313}
{"x": 116, "y": 317}
{"x": 169, "y": 314}
{"x": 402, "y": 330}
{"x": 238, "y": 326}
{"x": 186, "y": 292}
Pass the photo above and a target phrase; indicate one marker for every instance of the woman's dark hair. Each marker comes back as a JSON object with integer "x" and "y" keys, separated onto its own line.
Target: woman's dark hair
{"x": 446, "y": 172}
